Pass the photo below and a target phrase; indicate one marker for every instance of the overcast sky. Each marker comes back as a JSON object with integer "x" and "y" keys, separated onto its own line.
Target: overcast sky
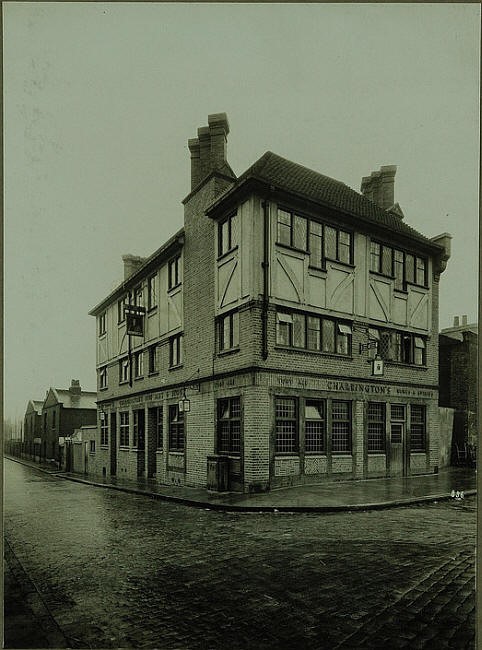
{"x": 100, "y": 100}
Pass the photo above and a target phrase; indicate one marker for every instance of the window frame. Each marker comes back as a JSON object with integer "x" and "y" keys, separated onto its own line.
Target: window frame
{"x": 176, "y": 431}
{"x": 103, "y": 323}
{"x": 232, "y": 234}
{"x": 232, "y": 318}
{"x": 381, "y": 436}
{"x": 159, "y": 424}
{"x": 176, "y": 351}
{"x": 293, "y": 447}
{"x": 423, "y": 425}
{"x": 124, "y": 366}
{"x": 174, "y": 272}
{"x": 138, "y": 364}
{"x": 124, "y": 429}
{"x": 337, "y": 420}
{"x": 285, "y": 321}
{"x": 401, "y": 280}
{"x": 309, "y": 449}
{"x": 104, "y": 431}
{"x": 121, "y": 303}
{"x": 103, "y": 378}
{"x": 234, "y": 426}
{"x": 153, "y": 366}
{"x": 152, "y": 292}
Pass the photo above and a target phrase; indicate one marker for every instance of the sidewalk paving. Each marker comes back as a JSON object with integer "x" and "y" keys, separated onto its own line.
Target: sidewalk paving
{"x": 329, "y": 496}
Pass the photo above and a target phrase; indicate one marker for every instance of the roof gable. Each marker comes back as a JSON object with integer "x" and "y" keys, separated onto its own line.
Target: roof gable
{"x": 283, "y": 174}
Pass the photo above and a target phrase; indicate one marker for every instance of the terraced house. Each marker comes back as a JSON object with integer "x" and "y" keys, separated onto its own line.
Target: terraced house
{"x": 286, "y": 334}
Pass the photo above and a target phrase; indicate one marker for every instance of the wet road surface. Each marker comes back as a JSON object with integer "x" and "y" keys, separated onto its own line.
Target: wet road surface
{"x": 119, "y": 570}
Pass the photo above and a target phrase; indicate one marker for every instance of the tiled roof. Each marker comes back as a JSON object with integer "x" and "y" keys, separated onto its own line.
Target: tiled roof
{"x": 86, "y": 399}
{"x": 292, "y": 177}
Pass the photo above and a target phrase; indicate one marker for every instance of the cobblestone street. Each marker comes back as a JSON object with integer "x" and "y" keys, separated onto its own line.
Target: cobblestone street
{"x": 118, "y": 570}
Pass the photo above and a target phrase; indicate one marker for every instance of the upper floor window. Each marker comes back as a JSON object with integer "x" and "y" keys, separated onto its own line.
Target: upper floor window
{"x": 123, "y": 370}
{"x": 401, "y": 347}
{"x": 102, "y": 323}
{"x": 174, "y": 271}
{"x": 152, "y": 292}
{"x": 138, "y": 364}
{"x": 320, "y": 240}
{"x": 292, "y": 230}
{"x": 228, "y": 331}
{"x": 175, "y": 350}
{"x": 401, "y": 266}
{"x": 311, "y": 332}
{"x": 103, "y": 377}
{"x": 120, "y": 309}
{"x": 153, "y": 359}
{"x": 138, "y": 296}
{"x": 227, "y": 234}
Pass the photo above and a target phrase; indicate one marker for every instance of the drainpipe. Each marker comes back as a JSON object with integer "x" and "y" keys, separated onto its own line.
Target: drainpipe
{"x": 265, "y": 265}
{"x": 129, "y": 351}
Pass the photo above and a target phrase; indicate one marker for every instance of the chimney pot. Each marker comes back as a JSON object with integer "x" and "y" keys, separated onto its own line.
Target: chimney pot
{"x": 379, "y": 186}
{"x": 75, "y": 387}
{"x": 456, "y": 321}
{"x": 194, "y": 148}
{"x": 464, "y": 319}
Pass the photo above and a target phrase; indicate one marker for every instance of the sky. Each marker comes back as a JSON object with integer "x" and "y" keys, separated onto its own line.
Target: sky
{"x": 101, "y": 98}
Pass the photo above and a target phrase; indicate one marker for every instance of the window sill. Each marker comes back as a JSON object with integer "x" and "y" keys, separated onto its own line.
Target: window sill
{"x": 378, "y": 454}
{"x": 311, "y": 454}
{"x": 379, "y": 274}
{"x": 176, "y": 452}
{"x": 123, "y": 382}
{"x": 152, "y": 310}
{"x": 339, "y": 454}
{"x": 402, "y": 291}
{"x": 224, "y": 353}
{"x": 226, "y": 253}
{"x": 175, "y": 286}
{"x": 292, "y": 248}
{"x": 159, "y": 451}
{"x": 124, "y": 448}
{"x": 287, "y": 454}
{"x": 320, "y": 269}
{"x": 318, "y": 353}
{"x": 178, "y": 367}
{"x": 400, "y": 364}
{"x": 348, "y": 264}
{"x": 138, "y": 378}
{"x": 104, "y": 447}
{"x": 153, "y": 373}
{"x": 103, "y": 388}
{"x": 103, "y": 335}
{"x": 120, "y": 323}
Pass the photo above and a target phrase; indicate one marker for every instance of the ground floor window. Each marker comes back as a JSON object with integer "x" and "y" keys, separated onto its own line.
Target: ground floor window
{"x": 418, "y": 427}
{"x": 229, "y": 426}
{"x": 286, "y": 425}
{"x": 176, "y": 429}
{"x": 159, "y": 427}
{"x": 315, "y": 426}
{"x": 104, "y": 431}
{"x": 376, "y": 427}
{"x": 124, "y": 429}
{"x": 341, "y": 426}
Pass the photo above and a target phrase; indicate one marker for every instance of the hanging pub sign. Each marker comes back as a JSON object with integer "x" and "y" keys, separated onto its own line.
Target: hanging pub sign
{"x": 378, "y": 367}
{"x": 134, "y": 320}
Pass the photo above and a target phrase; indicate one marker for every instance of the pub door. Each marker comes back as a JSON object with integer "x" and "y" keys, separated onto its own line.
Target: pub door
{"x": 397, "y": 461}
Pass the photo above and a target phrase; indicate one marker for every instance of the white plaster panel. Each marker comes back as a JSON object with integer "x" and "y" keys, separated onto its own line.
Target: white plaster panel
{"x": 340, "y": 290}
{"x": 316, "y": 291}
{"x": 418, "y": 309}
{"x": 229, "y": 285}
{"x": 289, "y": 284}
{"x": 379, "y": 300}
{"x": 174, "y": 310}
{"x": 399, "y": 309}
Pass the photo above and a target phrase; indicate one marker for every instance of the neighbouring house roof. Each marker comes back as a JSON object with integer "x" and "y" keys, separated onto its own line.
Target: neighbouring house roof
{"x": 283, "y": 174}
{"x": 86, "y": 399}
{"x": 458, "y": 331}
{"x": 34, "y": 405}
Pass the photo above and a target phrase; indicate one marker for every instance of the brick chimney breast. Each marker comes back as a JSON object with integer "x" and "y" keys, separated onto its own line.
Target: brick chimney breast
{"x": 75, "y": 388}
{"x": 219, "y": 129}
{"x": 131, "y": 264}
{"x": 204, "y": 137}
{"x": 379, "y": 186}
{"x": 194, "y": 148}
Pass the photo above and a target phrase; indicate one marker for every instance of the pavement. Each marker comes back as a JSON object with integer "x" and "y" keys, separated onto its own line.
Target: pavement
{"x": 329, "y": 496}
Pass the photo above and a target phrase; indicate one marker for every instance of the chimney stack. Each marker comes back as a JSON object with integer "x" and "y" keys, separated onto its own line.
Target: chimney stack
{"x": 208, "y": 150}
{"x": 379, "y": 187}
{"x": 75, "y": 389}
{"x": 456, "y": 321}
{"x": 131, "y": 264}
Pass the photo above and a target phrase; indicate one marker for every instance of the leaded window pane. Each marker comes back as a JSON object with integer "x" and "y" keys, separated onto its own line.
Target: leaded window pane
{"x": 330, "y": 243}
{"x": 314, "y": 333}
{"x": 374, "y": 256}
{"x": 284, "y": 227}
{"x": 328, "y": 336}
{"x": 344, "y": 246}
{"x": 316, "y": 244}
{"x": 421, "y": 276}
{"x": 386, "y": 260}
{"x": 398, "y": 269}
{"x": 298, "y": 330}
{"x": 409, "y": 268}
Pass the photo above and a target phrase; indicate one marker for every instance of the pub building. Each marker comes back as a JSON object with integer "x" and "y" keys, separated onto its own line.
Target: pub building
{"x": 287, "y": 334}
